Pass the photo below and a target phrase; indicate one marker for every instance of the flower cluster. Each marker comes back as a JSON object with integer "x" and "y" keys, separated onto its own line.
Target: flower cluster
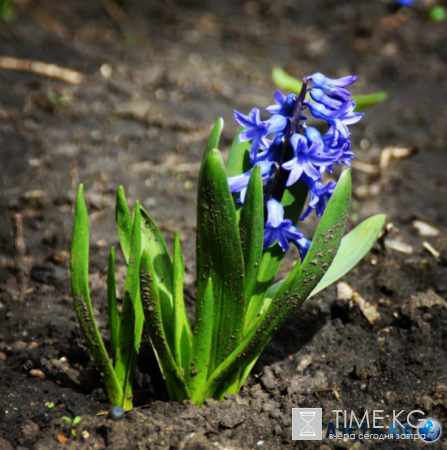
{"x": 285, "y": 143}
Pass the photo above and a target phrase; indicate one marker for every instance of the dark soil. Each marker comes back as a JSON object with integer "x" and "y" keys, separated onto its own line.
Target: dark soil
{"x": 176, "y": 67}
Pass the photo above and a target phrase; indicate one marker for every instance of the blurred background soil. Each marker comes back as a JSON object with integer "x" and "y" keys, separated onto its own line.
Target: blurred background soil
{"x": 156, "y": 75}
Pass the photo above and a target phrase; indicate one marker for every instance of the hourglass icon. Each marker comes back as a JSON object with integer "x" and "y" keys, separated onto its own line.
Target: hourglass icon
{"x": 307, "y": 430}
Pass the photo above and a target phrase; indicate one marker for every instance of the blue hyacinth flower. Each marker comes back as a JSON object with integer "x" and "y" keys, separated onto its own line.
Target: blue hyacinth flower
{"x": 285, "y": 105}
{"x": 273, "y": 153}
{"x": 332, "y": 86}
{"x": 339, "y": 119}
{"x": 329, "y": 102}
{"x": 239, "y": 183}
{"x": 307, "y": 160}
{"x": 278, "y": 229}
{"x": 319, "y": 195}
{"x": 257, "y": 130}
{"x": 341, "y": 145}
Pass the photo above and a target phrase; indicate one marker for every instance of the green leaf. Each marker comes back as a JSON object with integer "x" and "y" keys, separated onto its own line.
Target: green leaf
{"x": 182, "y": 327}
{"x": 76, "y": 420}
{"x": 124, "y": 222}
{"x": 354, "y": 246}
{"x": 150, "y": 299}
{"x": 154, "y": 242}
{"x": 67, "y": 419}
{"x": 238, "y": 160}
{"x": 82, "y": 301}
{"x": 293, "y": 202}
{"x": 112, "y": 307}
{"x": 131, "y": 324}
{"x": 285, "y": 81}
{"x": 202, "y": 337}
{"x": 219, "y": 255}
{"x": 365, "y": 101}
{"x": 296, "y": 288}
{"x": 214, "y": 137}
{"x": 251, "y": 228}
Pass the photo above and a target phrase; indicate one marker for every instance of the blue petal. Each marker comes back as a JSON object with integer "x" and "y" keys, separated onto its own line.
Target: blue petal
{"x": 275, "y": 212}
{"x": 282, "y": 241}
{"x": 319, "y": 96}
{"x": 303, "y": 245}
{"x": 276, "y": 123}
{"x": 243, "y": 120}
{"x": 269, "y": 237}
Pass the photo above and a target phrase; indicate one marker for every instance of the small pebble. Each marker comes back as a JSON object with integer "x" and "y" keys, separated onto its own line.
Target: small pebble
{"x": 36, "y": 373}
{"x": 85, "y": 435}
{"x": 2, "y": 356}
{"x": 116, "y": 412}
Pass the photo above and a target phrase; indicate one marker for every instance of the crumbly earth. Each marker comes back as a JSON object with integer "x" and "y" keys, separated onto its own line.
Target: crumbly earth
{"x": 156, "y": 76}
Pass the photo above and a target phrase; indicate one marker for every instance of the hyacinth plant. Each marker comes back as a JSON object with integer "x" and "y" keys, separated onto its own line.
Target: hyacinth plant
{"x": 247, "y": 214}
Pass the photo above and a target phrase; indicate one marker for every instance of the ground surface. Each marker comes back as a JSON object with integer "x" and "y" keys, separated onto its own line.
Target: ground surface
{"x": 175, "y": 69}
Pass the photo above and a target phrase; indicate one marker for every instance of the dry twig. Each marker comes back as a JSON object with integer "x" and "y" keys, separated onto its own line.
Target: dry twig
{"x": 41, "y": 68}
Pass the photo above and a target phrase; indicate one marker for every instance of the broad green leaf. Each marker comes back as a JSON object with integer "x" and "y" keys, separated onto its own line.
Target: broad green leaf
{"x": 153, "y": 241}
{"x": 285, "y": 81}
{"x": 296, "y": 288}
{"x": 112, "y": 307}
{"x": 354, "y": 246}
{"x": 124, "y": 222}
{"x": 219, "y": 255}
{"x": 131, "y": 323}
{"x": 201, "y": 346}
{"x": 251, "y": 229}
{"x": 150, "y": 300}
{"x": 182, "y": 327}
{"x": 293, "y": 202}
{"x": 238, "y": 160}
{"x": 83, "y": 304}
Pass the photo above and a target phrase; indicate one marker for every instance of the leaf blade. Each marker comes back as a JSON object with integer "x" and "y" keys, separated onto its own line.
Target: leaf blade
{"x": 112, "y": 306}
{"x": 154, "y": 242}
{"x": 152, "y": 312}
{"x": 354, "y": 246}
{"x": 182, "y": 327}
{"x": 251, "y": 228}
{"x": 131, "y": 323}
{"x": 238, "y": 160}
{"x": 82, "y": 302}
{"x": 202, "y": 339}
{"x": 124, "y": 222}
{"x": 219, "y": 255}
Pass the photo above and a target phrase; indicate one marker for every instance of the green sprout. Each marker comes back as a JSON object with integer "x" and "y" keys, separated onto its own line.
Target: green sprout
{"x": 73, "y": 423}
